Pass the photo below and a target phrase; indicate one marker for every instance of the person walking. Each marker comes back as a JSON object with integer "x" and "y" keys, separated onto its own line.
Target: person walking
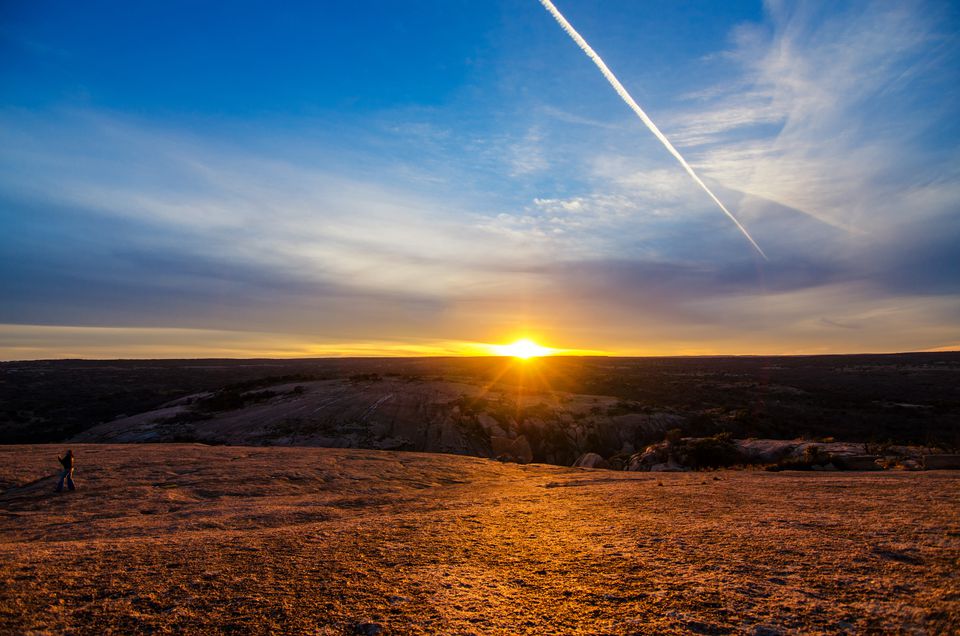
{"x": 67, "y": 473}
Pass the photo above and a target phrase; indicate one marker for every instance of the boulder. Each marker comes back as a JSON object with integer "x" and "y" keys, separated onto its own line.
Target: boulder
{"x": 591, "y": 460}
{"x": 392, "y": 443}
{"x": 857, "y": 462}
{"x": 909, "y": 464}
{"x": 765, "y": 451}
{"x": 491, "y": 426}
{"x": 668, "y": 467}
{"x": 655, "y": 454}
{"x": 941, "y": 462}
{"x": 619, "y": 461}
{"x": 517, "y": 450}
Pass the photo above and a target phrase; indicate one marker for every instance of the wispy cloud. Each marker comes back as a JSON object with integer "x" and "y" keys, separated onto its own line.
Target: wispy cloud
{"x": 628, "y": 99}
{"x": 527, "y": 156}
{"x": 823, "y": 119}
{"x": 259, "y": 210}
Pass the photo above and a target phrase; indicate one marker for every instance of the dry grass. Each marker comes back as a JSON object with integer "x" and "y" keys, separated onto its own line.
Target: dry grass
{"x": 200, "y": 539}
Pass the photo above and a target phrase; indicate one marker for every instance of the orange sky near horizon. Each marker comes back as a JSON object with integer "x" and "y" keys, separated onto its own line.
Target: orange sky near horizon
{"x": 28, "y": 342}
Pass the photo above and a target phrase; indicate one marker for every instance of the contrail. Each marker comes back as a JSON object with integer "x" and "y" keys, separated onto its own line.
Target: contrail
{"x": 625, "y": 96}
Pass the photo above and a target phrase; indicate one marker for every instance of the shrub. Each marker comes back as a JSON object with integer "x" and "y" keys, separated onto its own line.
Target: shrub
{"x": 709, "y": 452}
{"x": 230, "y": 399}
{"x": 674, "y": 435}
{"x": 624, "y": 407}
{"x": 273, "y": 380}
{"x": 185, "y": 417}
{"x": 812, "y": 456}
{"x": 227, "y": 400}
{"x": 470, "y": 406}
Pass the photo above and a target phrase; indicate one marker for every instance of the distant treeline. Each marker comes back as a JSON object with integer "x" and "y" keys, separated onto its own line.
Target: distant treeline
{"x": 903, "y": 398}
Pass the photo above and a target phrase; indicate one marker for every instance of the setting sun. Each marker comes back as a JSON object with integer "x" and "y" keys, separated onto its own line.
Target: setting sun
{"x": 523, "y": 349}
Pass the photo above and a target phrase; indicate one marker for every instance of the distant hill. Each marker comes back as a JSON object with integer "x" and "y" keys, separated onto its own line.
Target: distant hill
{"x": 561, "y": 406}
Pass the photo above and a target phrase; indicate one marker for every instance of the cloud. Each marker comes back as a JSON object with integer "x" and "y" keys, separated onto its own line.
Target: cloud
{"x": 827, "y": 113}
{"x": 311, "y": 224}
{"x": 838, "y": 325}
{"x": 527, "y": 156}
{"x": 628, "y": 99}
{"x": 824, "y": 133}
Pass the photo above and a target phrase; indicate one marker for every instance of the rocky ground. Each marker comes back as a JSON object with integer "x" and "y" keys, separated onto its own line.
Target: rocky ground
{"x": 166, "y": 538}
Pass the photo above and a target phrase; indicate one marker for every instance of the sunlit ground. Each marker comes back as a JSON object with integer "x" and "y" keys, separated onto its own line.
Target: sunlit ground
{"x": 195, "y": 539}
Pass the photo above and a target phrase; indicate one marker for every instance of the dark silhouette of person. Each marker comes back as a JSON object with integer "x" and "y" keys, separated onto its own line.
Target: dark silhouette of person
{"x": 67, "y": 473}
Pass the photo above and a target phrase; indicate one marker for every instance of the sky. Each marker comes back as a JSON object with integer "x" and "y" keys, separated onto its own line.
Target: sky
{"x": 259, "y": 179}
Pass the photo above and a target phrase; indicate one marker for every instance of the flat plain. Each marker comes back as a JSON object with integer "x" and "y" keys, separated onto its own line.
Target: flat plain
{"x": 199, "y": 539}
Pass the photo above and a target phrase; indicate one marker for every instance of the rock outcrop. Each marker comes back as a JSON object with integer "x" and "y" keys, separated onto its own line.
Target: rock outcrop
{"x": 857, "y": 462}
{"x": 941, "y": 462}
{"x": 669, "y": 467}
{"x": 591, "y": 460}
{"x": 648, "y": 457}
{"x": 512, "y": 450}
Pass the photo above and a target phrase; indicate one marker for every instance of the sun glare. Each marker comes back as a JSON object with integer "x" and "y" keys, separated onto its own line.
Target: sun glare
{"x": 523, "y": 349}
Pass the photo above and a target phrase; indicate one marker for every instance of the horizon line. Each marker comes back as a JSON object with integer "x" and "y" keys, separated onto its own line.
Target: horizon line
{"x": 487, "y": 357}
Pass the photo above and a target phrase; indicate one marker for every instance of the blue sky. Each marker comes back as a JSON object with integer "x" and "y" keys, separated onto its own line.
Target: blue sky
{"x": 182, "y": 179}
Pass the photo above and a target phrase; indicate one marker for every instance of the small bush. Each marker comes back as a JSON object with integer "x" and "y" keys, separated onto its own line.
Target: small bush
{"x": 812, "y": 456}
{"x": 624, "y": 407}
{"x": 273, "y": 380}
{"x": 185, "y": 417}
{"x": 227, "y": 400}
{"x": 709, "y": 452}
{"x": 230, "y": 400}
{"x": 674, "y": 435}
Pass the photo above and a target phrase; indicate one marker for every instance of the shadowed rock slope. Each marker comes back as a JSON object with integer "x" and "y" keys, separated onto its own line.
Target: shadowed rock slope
{"x": 399, "y": 414}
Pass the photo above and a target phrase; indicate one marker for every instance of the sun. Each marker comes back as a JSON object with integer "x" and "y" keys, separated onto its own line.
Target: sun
{"x": 523, "y": 349}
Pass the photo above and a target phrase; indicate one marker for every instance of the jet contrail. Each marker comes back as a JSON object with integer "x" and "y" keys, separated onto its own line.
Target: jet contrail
{"x": 625, "y": 96}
